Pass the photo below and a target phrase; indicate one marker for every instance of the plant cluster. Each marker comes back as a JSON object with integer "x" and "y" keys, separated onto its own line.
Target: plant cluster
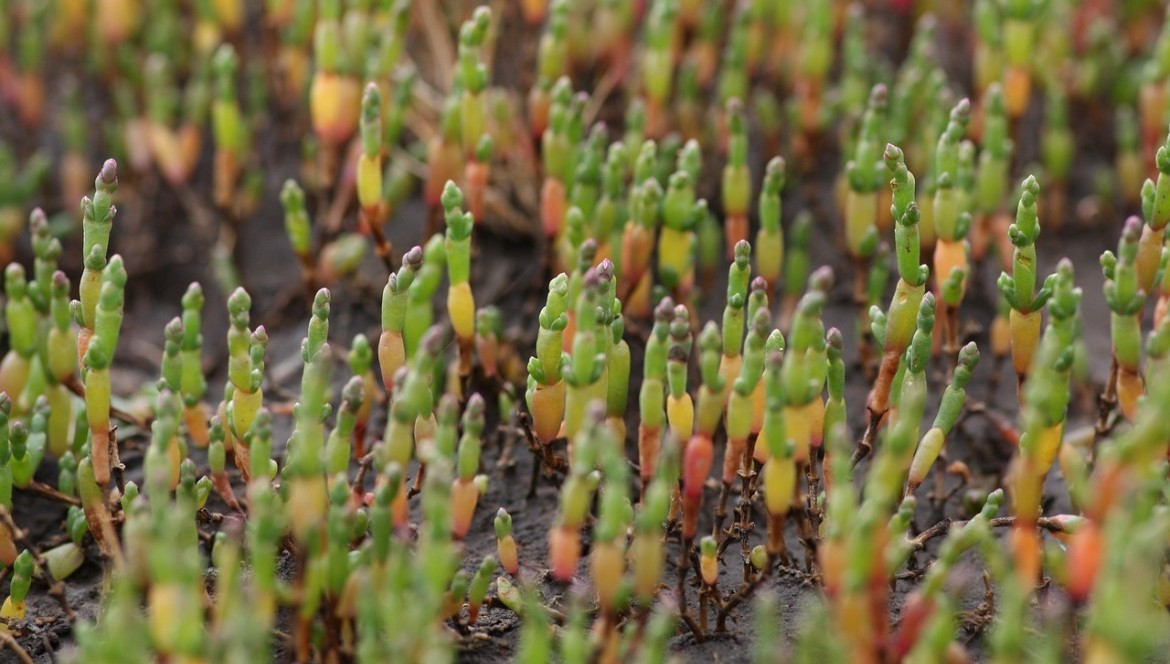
{"x": 687, "y": 401}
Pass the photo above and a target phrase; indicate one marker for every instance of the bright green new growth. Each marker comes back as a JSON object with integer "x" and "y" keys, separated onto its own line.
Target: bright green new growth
{"x": 172, "y": 363}
{"x": 947, "y": 164}
{"x": 1019, "y": 288}
{"x": 192, "y": 383}
{"x": 227, "y": 121}
{"x": 458, "y": 238}
{"x": 905, "y": 212}
{"x": 1047, "y": 394}
{"x": 395, "y": 295}
{"x": 862, "y": 171}
{"x": 770, "y": 238}
{"x": 296, "y": 219}
{"x": 994, "y": 159}
{"x": 738, "y": 276}
{"x": 19, "y": 312}
{"x": 97, "y": 219}
{"x": 370, "y": 123}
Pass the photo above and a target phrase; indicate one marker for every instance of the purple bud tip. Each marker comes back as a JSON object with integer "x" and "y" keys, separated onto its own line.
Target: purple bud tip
{"x": 822, "y": 279}
{"x": 835, "y": 338}
{"x": 432, "y": 341}
{"x": 109, "y": 172}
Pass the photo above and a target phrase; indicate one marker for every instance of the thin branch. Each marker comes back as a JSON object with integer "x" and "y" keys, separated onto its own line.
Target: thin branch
{"x": 1051, "y": 524}
{"x": 51, "y": 493}
{"x": 10, "y": 642}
